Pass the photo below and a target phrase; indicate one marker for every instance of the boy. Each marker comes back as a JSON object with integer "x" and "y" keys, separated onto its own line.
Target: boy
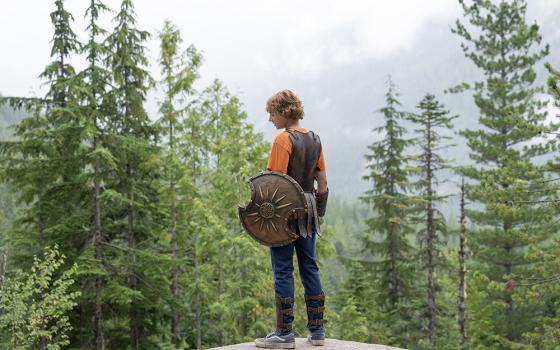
{"x": 297, "y": 152}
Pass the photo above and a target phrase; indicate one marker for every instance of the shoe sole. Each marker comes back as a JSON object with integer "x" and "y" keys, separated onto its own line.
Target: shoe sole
{"x": 317, "y": 342}
{"x": 275, "y": 345}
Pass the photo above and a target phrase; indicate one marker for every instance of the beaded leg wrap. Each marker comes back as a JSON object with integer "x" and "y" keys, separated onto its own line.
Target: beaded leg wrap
{"x": 284, "y": 313}
{"x": 315, "y": 308}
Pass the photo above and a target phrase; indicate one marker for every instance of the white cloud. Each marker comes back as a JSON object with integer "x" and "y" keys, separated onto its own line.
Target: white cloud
{"x": 297, "y": 38}
{"x": 240, "y": 38}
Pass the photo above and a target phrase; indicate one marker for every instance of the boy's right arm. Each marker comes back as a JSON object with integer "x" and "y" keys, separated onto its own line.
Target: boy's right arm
{"x": 322, "y": 193}
{"x": 321, "y": 177}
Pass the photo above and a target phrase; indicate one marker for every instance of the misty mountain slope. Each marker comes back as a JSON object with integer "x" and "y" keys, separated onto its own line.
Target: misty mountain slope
{"x": 341, "y": 104}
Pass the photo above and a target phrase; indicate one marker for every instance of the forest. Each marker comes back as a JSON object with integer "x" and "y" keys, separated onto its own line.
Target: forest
{"x": 120, "y": 229}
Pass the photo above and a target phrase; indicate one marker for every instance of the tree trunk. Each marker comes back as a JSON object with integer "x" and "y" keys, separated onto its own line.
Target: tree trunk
{"x": 461, "y": 295}
{"x": 430, "y": 242}
{"x": 174, "y": 271}
{"x": 198, "y": 311}
{"x": 506, "y": 225}
{"x": 4, "y": 267}
{"x": 132, "y": 282}
{"x": 221, "y": 332}
{"x": 97, "y": 240}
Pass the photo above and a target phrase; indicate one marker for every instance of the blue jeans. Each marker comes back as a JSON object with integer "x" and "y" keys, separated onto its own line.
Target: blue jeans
{"x": 283, "y": 267}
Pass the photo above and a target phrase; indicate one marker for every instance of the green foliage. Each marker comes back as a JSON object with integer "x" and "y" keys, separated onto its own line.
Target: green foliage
{"x": 554, "y": 83}
{"x": 510, "y": 235}
{"x": 352, "y": 324}
{"x": 388, "y": 232}
{"x": 209, "y": 149}
{"x": 146, "y": 211}
{"x": 432, "y": 120}
{"x": 35, "y": 305}
{"x": 44, "y": 160}
{"x": 229, "y": 153}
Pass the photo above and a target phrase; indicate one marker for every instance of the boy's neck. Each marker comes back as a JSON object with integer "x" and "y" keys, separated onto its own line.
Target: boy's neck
{"x": 293, "y": 125}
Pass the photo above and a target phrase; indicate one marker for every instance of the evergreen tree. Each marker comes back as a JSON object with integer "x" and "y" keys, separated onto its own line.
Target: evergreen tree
{"x": 192, "y": 150}
{"x": 433, "y": 117}
{"x": 508, "y": 241}
{"x": 352, "y": 324}
{"x": 554, "y": 84}
{"x": 237, "y": 152}
{"x": 45, "y": 159}
{"x": 96, "y": 78}
{"x": 32, "y": 144}
{"x": 461, "y": 295}
{"x": 389, "y": 232}
{"x": 546, "y": 279}
{"x": 219, "y": 149}
{"x": 353, "y": 315}
{"x": 134, "y": 198}
{"x": 67, "y": 220}
{"x": 180, "y": 70}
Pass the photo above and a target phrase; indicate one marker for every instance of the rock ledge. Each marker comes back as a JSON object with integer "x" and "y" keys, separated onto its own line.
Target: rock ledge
{"x": 330, "y": 344}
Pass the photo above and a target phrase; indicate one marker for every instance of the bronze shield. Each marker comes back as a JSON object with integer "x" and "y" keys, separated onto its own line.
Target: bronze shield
{"x": 275, "y": 197}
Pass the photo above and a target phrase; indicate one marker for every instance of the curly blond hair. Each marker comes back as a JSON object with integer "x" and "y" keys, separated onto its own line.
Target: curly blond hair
{"x": 285, "y": 103}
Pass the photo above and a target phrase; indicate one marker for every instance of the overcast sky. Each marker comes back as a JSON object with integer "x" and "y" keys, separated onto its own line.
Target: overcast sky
{"x": 335, "y": 54}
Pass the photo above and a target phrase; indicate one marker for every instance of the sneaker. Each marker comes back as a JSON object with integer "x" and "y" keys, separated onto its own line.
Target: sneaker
{"x": 316, "y": 338}
{"x": 276, "y": 340}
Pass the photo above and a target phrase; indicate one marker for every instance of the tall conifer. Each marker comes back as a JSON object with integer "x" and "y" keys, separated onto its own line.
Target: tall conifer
{"x": 554, "y": 84}
{"x": 179, "y": 70}
{"x": 43, "y": 159}
{"x": 134, "y": 184}
{"x": 546, "y": 279}
{"x": 389, "y": 232}
{"x": 96, "y": 101}
{"x": 47, "y": 158}
{"x": 237, "y": 152}
{"x": 430, "y": 121}
{"x": 507, "y": 243}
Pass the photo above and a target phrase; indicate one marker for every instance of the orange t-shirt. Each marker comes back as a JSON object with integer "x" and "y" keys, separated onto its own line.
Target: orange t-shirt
{"x": 282, "y": 149}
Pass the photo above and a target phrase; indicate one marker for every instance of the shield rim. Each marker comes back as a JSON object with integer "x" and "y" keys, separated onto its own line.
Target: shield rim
{"x": 291, "y": 233}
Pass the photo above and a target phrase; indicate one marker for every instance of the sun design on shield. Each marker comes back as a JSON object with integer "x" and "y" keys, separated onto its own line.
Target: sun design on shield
{"x": 268, "y": 208}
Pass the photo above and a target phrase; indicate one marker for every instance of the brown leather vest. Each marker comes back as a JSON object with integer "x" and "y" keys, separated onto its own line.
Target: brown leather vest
{"x": 306, "y": 148}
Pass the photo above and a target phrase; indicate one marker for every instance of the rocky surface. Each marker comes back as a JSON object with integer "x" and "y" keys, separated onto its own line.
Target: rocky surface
{"x": 330, "y": 344}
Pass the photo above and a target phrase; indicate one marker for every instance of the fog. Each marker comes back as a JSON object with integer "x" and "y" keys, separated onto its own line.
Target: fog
{"x": 335, "y": 55}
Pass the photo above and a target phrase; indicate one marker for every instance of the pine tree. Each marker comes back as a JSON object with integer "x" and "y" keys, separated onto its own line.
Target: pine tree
{"x": 355, "y": 315}
{"x": 433, "y": 117}
{"x": 33, "y": 144}
{"x": 68, "y": 207}
{"x": 352, "y": 324}
{"x": 554, "y": 84}
{"x": 462, "y": 288}
{"x": 218, "y": 149}
{"x": 45, "y": 159}
{"x": 135, "y": 207}
{"x": 180, "y": 70}
{"x": 545, "y": 280}
{"x": 389, "y": 232}
{"x": 237, "y": 152}
{"x": 507, "y": 242}
{"x": 96, "y": 79}
{"x": 193, "y": 146}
